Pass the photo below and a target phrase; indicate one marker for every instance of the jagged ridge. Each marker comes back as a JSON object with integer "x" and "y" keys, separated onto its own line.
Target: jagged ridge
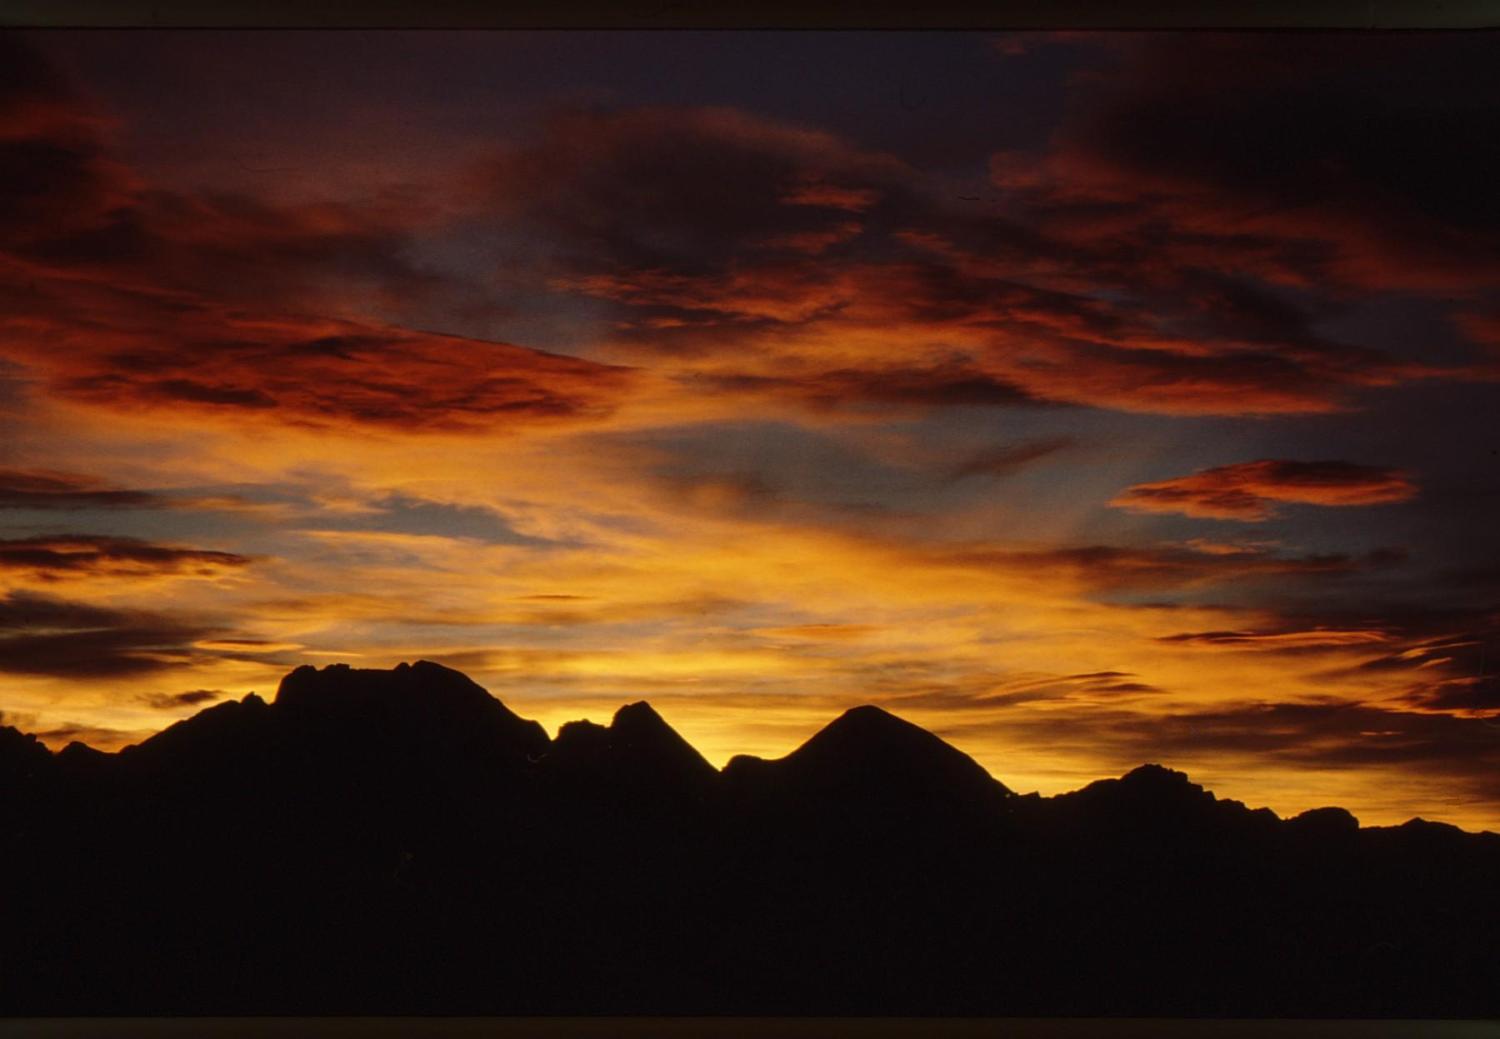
{"x": 400, "y": 842}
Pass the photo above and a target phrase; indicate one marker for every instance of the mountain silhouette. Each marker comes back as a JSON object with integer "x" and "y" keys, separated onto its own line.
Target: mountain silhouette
{"x": 400, "y": 842}
{"x": 865, "y": 749}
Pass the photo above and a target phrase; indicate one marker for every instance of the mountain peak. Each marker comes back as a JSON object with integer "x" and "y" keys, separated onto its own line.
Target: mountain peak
{"x": 869, "y": 716}
{"x": 21, "y": 753}
{"x": 421, "y": 697}
{"x": 867, "y": 743}
{"x": 635, "y": 714}
{"x": 1158, "y": 777}
{"x": 637, "y": 750}
{"x": 307, "y": 683}
{"x": 1326, "y": 820}
{"x": 1149, "y": 783}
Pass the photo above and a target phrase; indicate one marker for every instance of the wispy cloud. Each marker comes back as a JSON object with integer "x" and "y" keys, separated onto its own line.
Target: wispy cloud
{"x": 1252, "y": 490}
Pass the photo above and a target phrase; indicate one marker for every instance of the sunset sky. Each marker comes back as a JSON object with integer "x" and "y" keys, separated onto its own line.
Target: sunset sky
{"x": 1088, "y": 399}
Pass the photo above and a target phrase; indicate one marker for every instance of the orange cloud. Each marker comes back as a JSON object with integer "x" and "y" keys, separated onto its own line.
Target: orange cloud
{"x": 1250, "y": 490}
{"x": 1281, "y": 641}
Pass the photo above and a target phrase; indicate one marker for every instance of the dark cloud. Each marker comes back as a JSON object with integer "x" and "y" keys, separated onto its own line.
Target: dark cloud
{"x": 1324, "y": 735}
{"x": 47, "y": 489}
{"x": 398, "y": 512}
{"x": 54, "y": 178}
{"x": 916, "y": 684}
{"x": 95, "y": 736}
{"x": 684, "y": 191}
{"x": 1448, "y": 659}
{"x": 1328, "y": 156}
{"x": 174, "y": 701}
{"x": 943, "y": 386}
{"x": 79, "y": 554}
{"x": 1115, "y": 568}
{"x": 48, "y": 636}
{"x": 1251, "y": 490}
{"x": 1009, "y": 459}
{"x": 1452, "y": 662}
{"x": 982, "y": 308}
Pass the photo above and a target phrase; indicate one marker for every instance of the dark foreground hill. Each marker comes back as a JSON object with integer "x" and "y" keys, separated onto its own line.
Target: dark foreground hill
{"x": 398, "y": 842}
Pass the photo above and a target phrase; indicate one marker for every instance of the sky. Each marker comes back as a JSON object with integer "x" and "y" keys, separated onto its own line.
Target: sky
{"x": 1089, "y": 399}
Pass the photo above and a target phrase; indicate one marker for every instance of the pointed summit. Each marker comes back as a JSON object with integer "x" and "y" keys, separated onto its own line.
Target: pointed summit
{"x": 638, "y": 731}
{"x": 639, "y": 753}
{"x": 868, "y": 739}
{"x": 870, "y": 754}
{"x": 868, "y": 726}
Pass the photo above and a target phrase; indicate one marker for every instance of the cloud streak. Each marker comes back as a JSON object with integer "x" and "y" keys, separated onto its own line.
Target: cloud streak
{"x": 46, "y": 489}
{"x": 1250, "y": 491}
{"x": 80, "y": 555}
{"x": 62, "y": 638}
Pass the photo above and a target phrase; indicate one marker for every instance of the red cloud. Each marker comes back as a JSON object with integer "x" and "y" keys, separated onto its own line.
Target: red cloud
{"x": 787, "y": 259}
{"x": 321, "y": 372}
{"x": 131, "y": 298}
{"x": 1250, "y": 490}
{"x": 720, "y": 246}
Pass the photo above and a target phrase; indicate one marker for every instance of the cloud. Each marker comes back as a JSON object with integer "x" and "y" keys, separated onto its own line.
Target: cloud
{"x": 695, "y": 226}
{"x": 53, "y": 175}
{"x": 1331, "y": 734}
{"x": 402, "y": 513}
{"x": 1282, "y": 641}
{"x": 682, "y": 190}
{"x": 324, "y": 374}
{"x": 1451, "y": 662}
{"x": 52, "y": 556}
{"x": 61, "y": 638}
{"x": 1387, "y": 762}
{"x": 821, "y": 632}
{"x": 133, "y": 298}
{"x": 17, "y": 720}
{"x": 1009, "y": 459}
{"x": 914, "y": 302}
{"x": 1440, "y": 660}
{"x": 1383, "y": 150}
{"x": 175, "y": 701}
{"x": 727, "y": 251}
{"x": 1250, "y": 490}
{"x": 983, "y": 692}
{"x": 48, "y": 489}
{"x": 940, "y": 386}
{"x": 98, "y": 737}
{"x": 1119, "y": 568}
